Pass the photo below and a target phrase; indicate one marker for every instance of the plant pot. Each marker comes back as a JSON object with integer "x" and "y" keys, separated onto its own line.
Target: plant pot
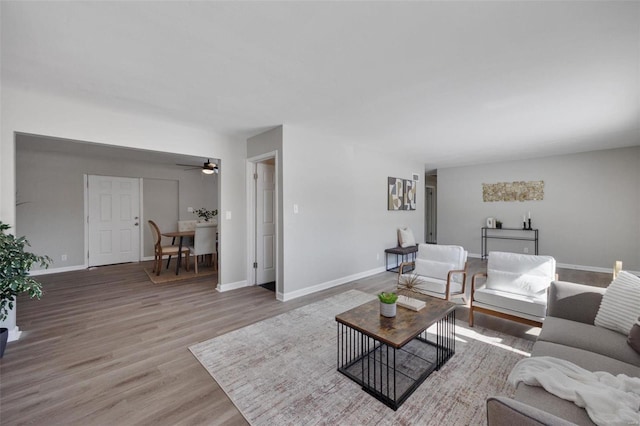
{"x": 388, "y": 309}
{"x": 4, "y": 335}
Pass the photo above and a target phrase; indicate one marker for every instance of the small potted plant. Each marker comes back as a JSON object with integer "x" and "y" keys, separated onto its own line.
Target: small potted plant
{"x": 498, "y": 224}
{"x": 206, "y": 215}
{"x": 15, "y": 264}
{"x": 388, "y": 304}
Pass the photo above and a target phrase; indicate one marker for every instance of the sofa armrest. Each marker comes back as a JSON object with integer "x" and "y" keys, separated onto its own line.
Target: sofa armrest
{"x": 502, "y": 411}
{"x": 575, "y": 302}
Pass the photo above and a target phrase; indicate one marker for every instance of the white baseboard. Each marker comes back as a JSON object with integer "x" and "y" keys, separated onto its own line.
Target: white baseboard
{"x": 57, "y": 270}
{"x": 232, "y": 286}
{"x": 283, "y": 297}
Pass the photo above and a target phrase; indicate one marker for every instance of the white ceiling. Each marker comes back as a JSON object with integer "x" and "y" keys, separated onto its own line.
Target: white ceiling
{"x": 450, "y": 83}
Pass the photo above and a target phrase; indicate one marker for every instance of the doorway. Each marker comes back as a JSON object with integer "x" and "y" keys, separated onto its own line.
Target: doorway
{"x": 263, "y": 221}
{"x": 430, "y": 228}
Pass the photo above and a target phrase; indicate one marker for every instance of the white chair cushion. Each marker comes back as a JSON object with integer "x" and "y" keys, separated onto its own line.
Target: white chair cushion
{"x": 544, "y": 266}
{"x": 525, "y": 284}
{"x": 443, "y": 253}
{"x": 434, "y": 285}
{"x": 620, "y": 306}
{"x": 518, "y": 303}
{"x": 433, "y": 268}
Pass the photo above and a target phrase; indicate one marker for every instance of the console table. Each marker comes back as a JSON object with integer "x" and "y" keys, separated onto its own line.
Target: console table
{"x": 526, "y": 236}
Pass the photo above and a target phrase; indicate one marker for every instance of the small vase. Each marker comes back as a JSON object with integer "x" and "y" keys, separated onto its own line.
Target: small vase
{"x": 388, "y": 309}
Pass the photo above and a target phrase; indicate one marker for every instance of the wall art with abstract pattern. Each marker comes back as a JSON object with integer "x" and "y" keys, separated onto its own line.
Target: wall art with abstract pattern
{"x": 410, "y": 188}
{"x": 513, "y": 191}
{"x": 395, "y": 198}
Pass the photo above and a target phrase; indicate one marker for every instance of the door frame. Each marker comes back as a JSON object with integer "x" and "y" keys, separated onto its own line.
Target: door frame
{"x": 251, "y": 218}
{"x": 430, "y": 217}
{"x": 85, "y": 183}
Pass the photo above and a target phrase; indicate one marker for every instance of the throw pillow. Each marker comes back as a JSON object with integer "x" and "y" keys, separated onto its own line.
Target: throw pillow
{"x": 620, "y": 306}
{"x": 405, "y": 237}
{"x": 634, "y": 336}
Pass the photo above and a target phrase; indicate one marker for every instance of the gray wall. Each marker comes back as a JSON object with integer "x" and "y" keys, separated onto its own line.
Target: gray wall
{"x": 590, "y": 215}
{"x": 343, "y": 225}
{"x": 50, "y": 196}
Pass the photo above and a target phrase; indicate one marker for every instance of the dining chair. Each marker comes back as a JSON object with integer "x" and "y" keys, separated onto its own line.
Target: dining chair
{"x": 160, "y": 251}
{"x": 204, "y": 243}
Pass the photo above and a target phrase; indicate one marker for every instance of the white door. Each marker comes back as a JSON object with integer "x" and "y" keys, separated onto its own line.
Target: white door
{"x": 114, "y": 225}
{"x": 265, "y": 223}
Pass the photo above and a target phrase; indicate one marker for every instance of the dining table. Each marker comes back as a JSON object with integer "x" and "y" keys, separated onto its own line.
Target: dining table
{"x": 180, "y": 235}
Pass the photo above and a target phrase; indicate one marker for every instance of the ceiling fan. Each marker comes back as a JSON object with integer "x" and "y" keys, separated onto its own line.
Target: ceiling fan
{"x": 208, "y": 168}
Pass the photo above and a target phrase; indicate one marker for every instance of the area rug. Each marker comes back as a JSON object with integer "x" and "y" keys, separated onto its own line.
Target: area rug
{"x": 169, "y": 275}
{"x": 282, "y": 371}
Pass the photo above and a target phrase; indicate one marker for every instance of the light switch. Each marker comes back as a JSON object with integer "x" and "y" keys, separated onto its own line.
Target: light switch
{"x": 228, "y": 215}
{"x": 189, "y": 209}
{"x": 295, "y": 209}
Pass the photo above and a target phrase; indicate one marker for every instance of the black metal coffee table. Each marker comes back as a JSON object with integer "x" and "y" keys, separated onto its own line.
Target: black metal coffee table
{"x": 391, "y": 357}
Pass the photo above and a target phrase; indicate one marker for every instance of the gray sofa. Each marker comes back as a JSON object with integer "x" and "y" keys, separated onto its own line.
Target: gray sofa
{"x": 568, "y": 333}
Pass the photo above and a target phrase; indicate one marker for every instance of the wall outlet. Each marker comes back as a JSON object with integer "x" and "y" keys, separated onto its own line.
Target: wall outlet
{"x": 377, "y": 256}
{"x": 63, "y": 258}
{"x": 190, "y": 209}
{"x": 526, "y": 250}
{"x": 228, "y": 215}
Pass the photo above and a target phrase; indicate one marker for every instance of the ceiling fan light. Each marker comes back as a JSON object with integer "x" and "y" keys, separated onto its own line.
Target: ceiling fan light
{"x": 207, "y": 171}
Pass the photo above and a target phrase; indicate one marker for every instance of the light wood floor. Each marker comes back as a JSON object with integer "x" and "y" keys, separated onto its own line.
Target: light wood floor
{"x": 108, "y": 347}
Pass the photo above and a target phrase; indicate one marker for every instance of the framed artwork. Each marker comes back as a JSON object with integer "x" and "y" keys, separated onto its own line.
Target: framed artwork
{"x": 410, "y": 188}
{"x": 395, "y": 197}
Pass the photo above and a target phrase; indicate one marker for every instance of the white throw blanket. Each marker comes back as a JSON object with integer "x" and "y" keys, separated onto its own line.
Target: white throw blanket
{"x": 608, "y": 399}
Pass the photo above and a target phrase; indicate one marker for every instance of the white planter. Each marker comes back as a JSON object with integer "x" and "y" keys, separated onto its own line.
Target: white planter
{"x": 388, "y": 309}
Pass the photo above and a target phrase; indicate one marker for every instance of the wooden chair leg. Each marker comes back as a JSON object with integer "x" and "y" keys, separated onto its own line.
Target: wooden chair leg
{"x": 168, "y": 261}
{"x": 195, "y": 266}
{"x": 470, "y": 316}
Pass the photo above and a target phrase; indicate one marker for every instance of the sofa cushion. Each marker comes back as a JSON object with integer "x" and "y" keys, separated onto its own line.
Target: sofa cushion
{"x": 620, "y": 306}
{"x": 519, "y": 283}
{"x": 530, "y": 305}
{"x": 589, "y": 337}
{"x": 433, "y": 268}
{"x": 582, "y": 358}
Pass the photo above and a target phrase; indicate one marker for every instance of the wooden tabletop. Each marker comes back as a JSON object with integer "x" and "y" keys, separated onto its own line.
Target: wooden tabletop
{"x": 401, "y": 329}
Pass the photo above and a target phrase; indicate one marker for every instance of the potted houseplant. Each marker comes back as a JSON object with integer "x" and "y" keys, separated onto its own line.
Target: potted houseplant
{"x": 388, "y": 304}
{"x": 498, "y": 224}
{"x": 15, "y": 264}
{"x": 206, "y": 215}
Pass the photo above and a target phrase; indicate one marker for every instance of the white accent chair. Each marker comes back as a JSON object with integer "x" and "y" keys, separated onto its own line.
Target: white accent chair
{"x": 204, "y": 242}
{"x": 438, "y": 271}
{"x": 515, "y": 287}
